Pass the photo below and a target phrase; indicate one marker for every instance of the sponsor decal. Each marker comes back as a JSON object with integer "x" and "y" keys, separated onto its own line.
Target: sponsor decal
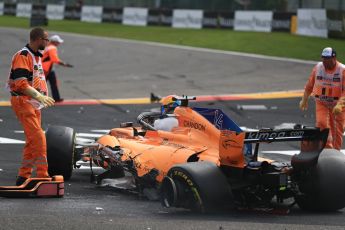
{"x": 281, "y": 24}
{"x": 154, "y": 19}
{"x": 326, "y": 98}
{"x": 266, "y": 135}
{"x": 187, "y": 18}
{"x": 329, "y": 78}
{"x": 55, "y": 12}
{"x": 253, "y": 21}
{"x": 218, "y": 119}
{"x": 231, "y": 144}
{"x": 167, "y": 143}
{"x": 24, "y": 10}
{"x": 2, "y": 8}
{"x": 335, "y": 25}
{"x": 194, "y": 125}
{"x": 92, "y": 13}
{"x": 312, "y": 22}
{"x": 273, "y": 135}
{"x": 226, "y": 22}
{"x": 135, "y": 16}
{"x": 185, "y": 177}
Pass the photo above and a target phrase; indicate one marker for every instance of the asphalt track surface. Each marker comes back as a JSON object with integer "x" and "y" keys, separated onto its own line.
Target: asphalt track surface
{"x": 86, "y": 206}
{"x": 110, "y": 68}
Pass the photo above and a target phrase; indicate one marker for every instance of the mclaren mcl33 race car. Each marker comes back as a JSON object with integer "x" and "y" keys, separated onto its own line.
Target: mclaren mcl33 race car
{"x": 208, "y": 162}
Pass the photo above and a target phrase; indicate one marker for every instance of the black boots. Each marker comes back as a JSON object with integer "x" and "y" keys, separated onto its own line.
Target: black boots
{"x": 20, "y": 180}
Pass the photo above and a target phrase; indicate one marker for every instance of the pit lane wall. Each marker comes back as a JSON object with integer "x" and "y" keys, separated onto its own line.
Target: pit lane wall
{"x": 307, "y": 22}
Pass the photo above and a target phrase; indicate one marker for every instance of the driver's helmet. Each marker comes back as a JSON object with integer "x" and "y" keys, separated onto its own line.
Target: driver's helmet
{"x": 169, "y": 103}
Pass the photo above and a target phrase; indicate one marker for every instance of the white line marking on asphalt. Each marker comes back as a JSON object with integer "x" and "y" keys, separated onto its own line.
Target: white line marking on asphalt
{"x": 88, "y": 135}
{"x": 4, "y": 140}
{"x": 283, "y": 152}
{"x": 83, "y": 140}
{"x": 252, "y": 107}
{"x": 290, "y": 152}
{"x": 100, "y": 130}
{"x": 86, "y": 165}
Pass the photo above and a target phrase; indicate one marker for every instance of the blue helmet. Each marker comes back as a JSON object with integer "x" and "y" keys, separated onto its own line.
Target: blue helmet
{"x": 169, "y": 103}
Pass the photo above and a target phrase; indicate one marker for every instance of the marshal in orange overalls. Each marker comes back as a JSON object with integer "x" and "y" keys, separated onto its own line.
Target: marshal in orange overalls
{"x": 328, "y": 88}
{"x": 26, "y": 70}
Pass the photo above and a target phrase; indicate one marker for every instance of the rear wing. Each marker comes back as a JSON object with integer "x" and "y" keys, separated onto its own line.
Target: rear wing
{"x": 313, "y": 140}
{"x": 282, "y": 135}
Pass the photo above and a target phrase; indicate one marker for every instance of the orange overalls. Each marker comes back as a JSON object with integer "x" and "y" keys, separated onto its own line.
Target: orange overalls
{"x": 50, "y": 57}
{"x": 328, "y": 87}
{"x": 26, "y": 70}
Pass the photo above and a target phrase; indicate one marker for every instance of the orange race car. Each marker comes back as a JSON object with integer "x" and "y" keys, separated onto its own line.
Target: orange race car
{"x": 207, "y": 162}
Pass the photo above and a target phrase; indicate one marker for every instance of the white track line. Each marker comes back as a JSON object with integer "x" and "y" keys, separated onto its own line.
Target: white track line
{"x": 4, "y": 140}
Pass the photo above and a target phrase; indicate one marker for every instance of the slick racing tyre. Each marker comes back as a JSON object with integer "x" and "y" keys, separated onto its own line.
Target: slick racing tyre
{"x": 324, "y": 188}
{"x": 60, "y": 151}
{"x": 198, "y": 186}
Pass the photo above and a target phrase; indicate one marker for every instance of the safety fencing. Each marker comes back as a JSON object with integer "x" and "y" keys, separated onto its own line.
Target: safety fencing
{"x": 309, "y": 22}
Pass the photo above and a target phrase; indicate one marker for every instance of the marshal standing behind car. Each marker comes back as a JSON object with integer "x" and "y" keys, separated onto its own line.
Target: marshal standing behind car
{"x": 327, "y": 84}
{"x": 50, "y": 57}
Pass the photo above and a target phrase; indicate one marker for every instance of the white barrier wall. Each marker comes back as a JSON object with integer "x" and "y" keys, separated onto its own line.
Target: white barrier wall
{"x": 1, "y": 8}
{"x": 312, "y": 22}
{"x": 253, "y": 21}
{"x": 187, "y": 19}
{"x": 91, "y": 14}
{"x": 135, "y": 16}
{"x": 24, "y": 10}
{"x": 55, "y": 12}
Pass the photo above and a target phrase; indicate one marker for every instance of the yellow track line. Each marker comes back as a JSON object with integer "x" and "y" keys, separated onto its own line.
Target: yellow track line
{"x": 245, "y": 96}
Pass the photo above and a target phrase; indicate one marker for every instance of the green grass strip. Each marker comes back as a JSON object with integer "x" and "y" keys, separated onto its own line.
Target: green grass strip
{"x": 273, "y": 44}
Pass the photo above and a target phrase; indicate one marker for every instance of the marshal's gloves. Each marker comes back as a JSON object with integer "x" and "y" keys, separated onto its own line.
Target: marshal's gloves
{"x": 66, "y": 64}
{"x": 338, "y": 109}
{"x": 45, "y": 100}
{"x": 303, "y": 104}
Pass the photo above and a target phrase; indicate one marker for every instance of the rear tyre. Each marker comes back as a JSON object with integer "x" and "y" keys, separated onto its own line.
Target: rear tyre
{"x": 324, "y": 188}
{"x": 198, "y": 186}
{"x": 60, "y": 151}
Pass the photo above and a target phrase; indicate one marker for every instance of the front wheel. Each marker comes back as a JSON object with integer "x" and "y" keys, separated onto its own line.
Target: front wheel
{"x": 60, "y": 151}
